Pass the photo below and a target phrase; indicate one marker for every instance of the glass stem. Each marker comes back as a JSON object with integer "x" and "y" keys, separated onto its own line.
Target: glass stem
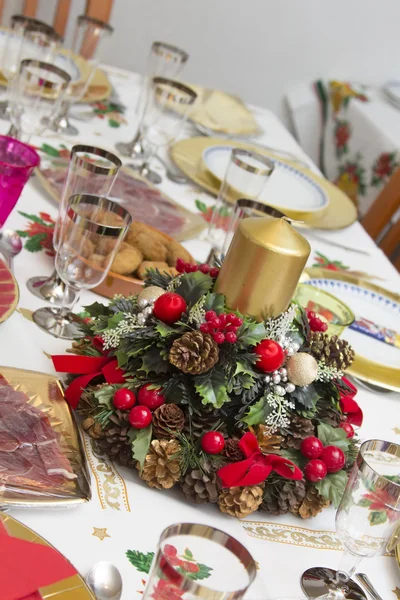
{"x": 68, "y": 305}
{"x": 151, "y": 149}
{"x": 347, "y": 566}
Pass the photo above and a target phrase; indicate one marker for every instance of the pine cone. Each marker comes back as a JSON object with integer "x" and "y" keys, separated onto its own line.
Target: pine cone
{"x": 161, "y": 468}
{"x": 199, "y": 487}
{"x": 232, "y": 450}
{"x": 300, "y": 428}
{"x": 195, "y": 353}
{"x": 201, "y": 422}
{"x": 92, "y": 428}
{"x": 333, "y": 351}
{"x": 113, "y": 440}
{"x": 312, "y": 504}
{"x": 283, "y": 496}
{"x": 240, "y": 501}
{"x": 167, "y": 419}
{"x": 268, "y": 442}
{"x": 327, "y": 413}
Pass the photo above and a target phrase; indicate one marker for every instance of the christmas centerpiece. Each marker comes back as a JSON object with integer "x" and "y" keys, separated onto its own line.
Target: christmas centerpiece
{"x": 247, "y": 412}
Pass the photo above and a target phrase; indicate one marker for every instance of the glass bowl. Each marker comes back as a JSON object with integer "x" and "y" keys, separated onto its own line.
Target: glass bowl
{"x": 326, "y": 306}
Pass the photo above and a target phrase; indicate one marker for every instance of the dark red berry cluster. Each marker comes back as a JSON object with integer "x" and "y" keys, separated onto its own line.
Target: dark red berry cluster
{"x": 185, "y": 267}
{"x": 316, "y": 324}
{"x": 222, "y": 327}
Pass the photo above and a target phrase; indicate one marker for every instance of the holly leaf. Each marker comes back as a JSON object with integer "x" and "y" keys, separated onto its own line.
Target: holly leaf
{"x": 105, "y": 394}
{"x": 153, "y": 362}
{"x": 34, "y": 243}
{"x": 140, "y": 444}
{"x": 140, "y": 560}
{"x": 165, "y": 330}
{"x": 258, "y": 412}
{"x": 212, "y": 388}
{"x": 377, "y": 517}
{"x": 23, "y": 234}
{"x": 306, "y": 395}
{"x": 364, "y": 503}
{"x": 122, "y": 358}
{"x": 214, "y": 302}
{"x": 250, "y": 333}
{"x": 188, "y": 554}
{"x": 50, "y": 150}
{"x": 333, "y": 436}
{"x": 33, "y": 218}
{"x": 193, "y": 286}
{"x": 333, "y": 486}
{"x": 114, "y": 321}
{"x": 203, "y": 573}
{"x": 295, "y": 456}
{"x": 96, "y": 309}
{"x": 201, "y": 206}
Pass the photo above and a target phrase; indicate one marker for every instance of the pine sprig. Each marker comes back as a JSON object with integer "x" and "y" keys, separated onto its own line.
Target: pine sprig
{"x": 158, "y": 278}
{"x": 191, "y": 456}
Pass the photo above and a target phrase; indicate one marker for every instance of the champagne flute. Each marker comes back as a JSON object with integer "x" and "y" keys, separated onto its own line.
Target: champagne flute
{"x": 166, "y": 61}
{"x": 90, "y": 222}
{"x": 90, "y": 170}
{"x": 366, "y": 521}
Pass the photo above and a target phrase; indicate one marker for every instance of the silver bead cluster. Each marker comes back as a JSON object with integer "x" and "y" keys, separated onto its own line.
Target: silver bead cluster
{"x": 288, "y": 345}
{"x": 146, "y": 312}
{"x": 277, "y": 378}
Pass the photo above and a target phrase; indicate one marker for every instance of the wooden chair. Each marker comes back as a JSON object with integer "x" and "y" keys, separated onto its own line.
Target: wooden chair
{"x": 378, "y": 220}
{"x": 99, "y": 9}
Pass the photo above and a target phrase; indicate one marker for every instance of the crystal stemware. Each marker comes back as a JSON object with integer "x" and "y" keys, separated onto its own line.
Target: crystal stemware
{"x": 168, "y": 104}
{"x": 366, "y": 520}
{"x": 166, "y": 61}
{"x": 91, "y": 222}
{"x": 90, "y": 170}
{"x": 89, "y": 33}
{"x": 35, "y": 97}
{"x": 227, "y": 568}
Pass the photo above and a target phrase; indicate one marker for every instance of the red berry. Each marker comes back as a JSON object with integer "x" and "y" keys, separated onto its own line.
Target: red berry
{"x": 210, "y": 314}
{"x": 87, "y": 320}
{"x": 192, "y": 268}
{"x": 311, "y": 447}
{"x": 235, "y": 320}
{"x": 231, "y": 337}
{"x": 180, "y": 265}
{"x": 204, "y": 268}
{"x": 315, "y": 470}
{"x": 271, "y": 355}
{"x": 324, "y": 327}
{"x": 190, "y": 567}
{"x": 311, "y": 314}
{"x": 233, "y": 328}
{"x": 219, "y": 337}
{"x": 334, "y": 458}
{"x": 124, "y": 399}
{"x": 170, "y": 550}
{"x": 98, "y": 342}
{"x": 222, "y": 318}
{"x": 205, "y": 328}
{"x": 140, "y": 417}
{"x": 212, "y": 442}
{"x": 214, "y": 272}
{"x": 348, "y": 428}
{"x": 169, "y": 307}
{"x": 215, "y": 323}
{"x": 150, "y": 398}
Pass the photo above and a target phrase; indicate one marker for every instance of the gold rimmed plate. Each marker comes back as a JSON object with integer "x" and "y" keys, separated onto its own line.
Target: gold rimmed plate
{"x": 376, "y": 362}
{"x": 72, "y": 588}
{"x": 188, "y": 156}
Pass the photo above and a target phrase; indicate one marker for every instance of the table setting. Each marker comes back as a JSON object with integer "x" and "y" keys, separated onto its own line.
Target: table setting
{"x": 200, "y": 344}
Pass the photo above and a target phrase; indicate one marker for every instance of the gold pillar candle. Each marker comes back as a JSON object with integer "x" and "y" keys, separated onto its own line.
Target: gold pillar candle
{"x": 262, "y": 267}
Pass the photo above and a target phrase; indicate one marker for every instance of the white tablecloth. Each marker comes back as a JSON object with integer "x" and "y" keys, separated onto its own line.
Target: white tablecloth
{"x": 124, "y": 514}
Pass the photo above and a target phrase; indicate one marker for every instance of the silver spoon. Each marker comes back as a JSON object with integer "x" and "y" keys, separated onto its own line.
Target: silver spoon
{"x": 362, "y": 577}
{"x": 172, "y": 173}
{"x": 10, "y": 245}
{"x": 105, "y": 581}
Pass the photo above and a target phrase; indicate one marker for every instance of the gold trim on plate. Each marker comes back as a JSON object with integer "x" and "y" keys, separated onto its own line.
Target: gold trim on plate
{"x": 187, "y": 155}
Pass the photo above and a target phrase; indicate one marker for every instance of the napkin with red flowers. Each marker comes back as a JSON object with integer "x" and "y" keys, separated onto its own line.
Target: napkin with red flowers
{"x": 26, "y": 567}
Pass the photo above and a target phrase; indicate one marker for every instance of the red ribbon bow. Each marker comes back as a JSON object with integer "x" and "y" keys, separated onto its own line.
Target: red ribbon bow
{"x": 354, "y": 414}
{"x": 88, "y": 367}
{"x": 257, "y": 466}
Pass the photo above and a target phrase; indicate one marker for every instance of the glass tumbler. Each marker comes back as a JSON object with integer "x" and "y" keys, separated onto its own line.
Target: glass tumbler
{"x": 246, "y": 175}
{"x": 90, "y": 170}
{"x": 197, "y": 561}
{"x": 166, "y": 61}
{"x": 17, "y": 161}
{"x": 366, "y": 521}
{"x": 90, "y": 223}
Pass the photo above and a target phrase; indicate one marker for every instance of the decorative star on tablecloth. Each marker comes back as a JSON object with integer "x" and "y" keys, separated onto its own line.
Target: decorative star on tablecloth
{"x": 100, "y": 532}
{"x": 397, "y": 592}
{"x": 396, "y": 430}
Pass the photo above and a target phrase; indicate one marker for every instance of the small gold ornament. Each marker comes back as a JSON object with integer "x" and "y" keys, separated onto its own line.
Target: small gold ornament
{"x": 302, "y": 369}
{"x": 149, "y": 295}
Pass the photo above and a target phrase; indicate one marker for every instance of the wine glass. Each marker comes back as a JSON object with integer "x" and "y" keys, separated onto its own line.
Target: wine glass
{"x": 89, "y": 32}
{"x": 90, "y": 170}
{"x": 90, "y": 223}
{"x": 227, "y": 568}
{"x": 245, "y": 177}
{"x": 366, "y": 520}
{"x": 166, "y": 61}
{"x": 35, "y": 97}
{"x": 167, "y": 107}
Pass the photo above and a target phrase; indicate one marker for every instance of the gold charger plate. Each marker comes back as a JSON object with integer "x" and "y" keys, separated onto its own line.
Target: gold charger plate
{"x": 187, "y": 155}
{"x": 363, "y": 368}
{"x": 45, "y": 393}
{"x": 72, "y": 588}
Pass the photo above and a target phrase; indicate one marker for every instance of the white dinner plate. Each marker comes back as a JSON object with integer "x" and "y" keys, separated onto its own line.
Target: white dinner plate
{"x": 370, "y": 305}
{"x": 62, "y": 61}
{"x": 287, "y": 188}
{"x": 392, "y": 91}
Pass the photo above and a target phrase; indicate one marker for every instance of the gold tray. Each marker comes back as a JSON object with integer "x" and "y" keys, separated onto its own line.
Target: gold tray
{"x": 363, "y": 368}
{"x": 45, "y": 393}
{"x": 187, "y": 155}
{"x": 72, "y": 588}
